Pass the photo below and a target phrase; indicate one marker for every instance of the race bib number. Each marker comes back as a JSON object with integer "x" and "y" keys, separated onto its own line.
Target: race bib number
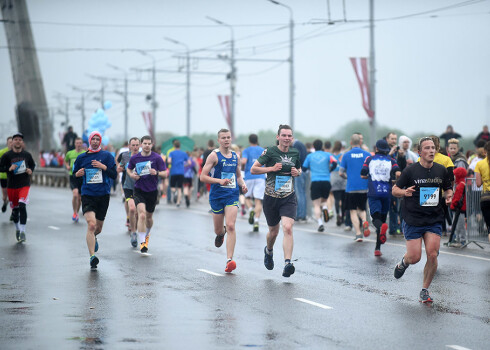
{"x": 230, "y": 176}
{"x": 94, "y": 176}
{"x": 284, "y": 184}
{"x": 21, "y": 167}
{"x": 429, "y": 196}
{"x": 143, "y": 168}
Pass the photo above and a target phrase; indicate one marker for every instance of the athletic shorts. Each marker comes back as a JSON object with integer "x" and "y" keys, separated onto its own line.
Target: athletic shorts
{"x": 76, "y": 182}
{"x": 256, "y": 188}
{"x": 176, "y": 181}
{"x": 218, "y": 205}
{"x": 3, "y": 183}
{"x": 128, "y": 194}
{"x": 320, "y": 189}
{"x": 97, "y": 204}
{"x": 275, "y": 208}
{"x": 414, "y": 232}
{"x": 355, "y": 200}
{"x": 148, "y": 198}
{"x": 379, "y": 205}
{"x": 18, "y": 195}
{"x": 187, "y": 182}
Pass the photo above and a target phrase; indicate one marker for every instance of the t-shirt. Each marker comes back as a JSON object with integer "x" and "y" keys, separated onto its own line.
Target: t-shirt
{"x": 143, "y": 164}
{"x": 96, "y": 182}
{"x": 425, "y": 207}
{"x": 19, "y": 177}
{"x": 3, "y": 175}
{"x": 226, "y": 168}
{"x": 69, "y": 140}
{"x": 280, "y": 184}
{"x": 484, "y": 170}
{"x": 379, "y": 168}
{"x": 70, "y": 158}
{"x": 178, "y": 159}
{"x": 319, "y": 164}
{"x": 251, "y": 154}
{"x": 352, "y": 162}
{"x": 123, "y": 159}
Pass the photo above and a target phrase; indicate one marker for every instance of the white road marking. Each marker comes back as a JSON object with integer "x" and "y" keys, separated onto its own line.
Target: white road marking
{"x": 457, "y": 347}
{"x": 313, "y": 303}
{"x": 140, "y": 253}
{"x": 210, "y": 272}
{"x": 54, "y": 228}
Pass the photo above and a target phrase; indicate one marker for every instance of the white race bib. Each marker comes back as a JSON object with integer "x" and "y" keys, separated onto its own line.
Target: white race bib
{"x": 230, "y": 176}
{"x": 21, "y": 167}
{"x": 429, "y": 196}
{"x": 94, "y": 176}
{"x": 143, "y": 168}
{"x": 284, "y": 184}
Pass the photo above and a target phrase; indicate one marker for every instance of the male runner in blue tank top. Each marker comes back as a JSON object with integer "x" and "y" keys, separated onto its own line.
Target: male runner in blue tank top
{"x": 222, "y": 171}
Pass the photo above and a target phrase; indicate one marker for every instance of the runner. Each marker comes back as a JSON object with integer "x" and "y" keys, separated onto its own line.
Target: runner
{"x": 75, "y": 182}
{"x": 321, "y": 164}
{"x": 3, "y": 176}
{"x": 420, "y": 185}
{"x": 97, "y": 168}
{"x": 128, "y": 187}
{"x": 19, "y": 165}
{"x": 255, "y": 183}
{"x": 176, "y": 160}
{"x": 379, "y": 169}
{"x": 281, "y": 163}
{"x": 222, "y": 171}
{"x": 145, "y": 168}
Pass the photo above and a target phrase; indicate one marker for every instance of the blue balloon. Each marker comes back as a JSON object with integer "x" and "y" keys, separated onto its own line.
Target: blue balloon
{"x": 107, "y": 105}
{"x": 105, "y": 140}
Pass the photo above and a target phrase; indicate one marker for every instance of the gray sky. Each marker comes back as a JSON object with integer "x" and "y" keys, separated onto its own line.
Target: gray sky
{"x": 432, "y": 69}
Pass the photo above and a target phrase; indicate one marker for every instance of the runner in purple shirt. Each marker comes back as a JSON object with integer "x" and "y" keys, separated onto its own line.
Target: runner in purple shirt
{"x": 145, "y": 168}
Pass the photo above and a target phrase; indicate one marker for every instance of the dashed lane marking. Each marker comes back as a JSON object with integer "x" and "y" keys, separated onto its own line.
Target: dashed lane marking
{"x": 210, "y": 272}
{"x": 457, "y": 347}
{"x": 326, "y": 307}
{"x": 54, "y": 228}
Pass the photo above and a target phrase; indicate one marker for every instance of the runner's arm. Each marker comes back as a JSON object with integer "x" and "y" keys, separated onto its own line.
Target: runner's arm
{"x": 211, "y": 161}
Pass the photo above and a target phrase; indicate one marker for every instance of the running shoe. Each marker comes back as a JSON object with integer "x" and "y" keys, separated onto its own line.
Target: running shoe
{"x": 288, "y": 270}
{"x": 326, "y": 217}
{"x": 4, "y": 207}
{"x": 425, "y": 297}
{"x": 377, "y": 252}
{"x": 96, "y": 249}
{"x": 134, "y": 239}
{"x": 230, "y": 266}
{"x": 251, "y": 217}
{"x": 365, "y": 229}
{"x": 77, "y": 218}
{"x": 256, "y": 227}
{"x": 17, "y": 235}
{"x": 268, "y": 260}
{"x": 94, "y": 261}
{"x": 400, "y": 269}
{"x": 74, "y": 217}
{"x": 22, "y": 237}
{"x": 330, "y": 214}
{"x": 218, "y": 241}
{"x": 339, "y": 220}
{"x": 382, "y": 234}
{"x": 321, "y": 228}
{"x": 358, "y": 238}
{"x": 144, "y": 247}
{"x": 348, "y": 228}
{"x": 11, "y": 217}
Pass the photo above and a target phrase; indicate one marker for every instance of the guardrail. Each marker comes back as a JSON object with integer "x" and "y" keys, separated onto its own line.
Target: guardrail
{"x": 51, "y": 177}
{"x": 475, "y": 224}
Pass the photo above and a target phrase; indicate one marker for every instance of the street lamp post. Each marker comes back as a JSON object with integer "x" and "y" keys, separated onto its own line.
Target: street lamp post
{"x": 232, "y": 73}
{"x": 291, "y": 62}
{"x": 188, "y": 85}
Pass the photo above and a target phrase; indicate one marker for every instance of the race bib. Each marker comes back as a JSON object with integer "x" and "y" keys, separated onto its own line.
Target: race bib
{"x": 143, "y": 168}
{"x": 94, "y": 176}
{"x": 21, "y": 167}
{"x": 383, "y": 189}
{"x": 230, "y": 176}
{"x": 284, "y": 184}
{"x": 429, "y": 196}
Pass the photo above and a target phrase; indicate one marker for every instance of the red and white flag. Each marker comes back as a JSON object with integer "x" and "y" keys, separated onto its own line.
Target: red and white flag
{"x": 148, "y": 119}
{"x": 360, "y": 67}
{"x": 224, "y": 101}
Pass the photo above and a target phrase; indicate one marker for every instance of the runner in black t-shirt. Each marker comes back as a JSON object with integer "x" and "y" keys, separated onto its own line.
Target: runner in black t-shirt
{"x": 421, "y": 186}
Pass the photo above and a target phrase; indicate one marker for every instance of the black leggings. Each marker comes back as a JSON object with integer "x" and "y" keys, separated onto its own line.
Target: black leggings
{"x": 485, "y": 209}
{"x": 378, "y": 220}
{"x": 20, "y": 214}
{"x": 339, "y": 197}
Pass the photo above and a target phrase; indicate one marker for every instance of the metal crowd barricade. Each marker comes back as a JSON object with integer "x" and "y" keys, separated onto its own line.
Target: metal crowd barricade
{"x": 476, "y": 229}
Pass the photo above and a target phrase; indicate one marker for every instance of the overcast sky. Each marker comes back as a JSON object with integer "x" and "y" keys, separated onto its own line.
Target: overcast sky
{"x": 432, "y": 69}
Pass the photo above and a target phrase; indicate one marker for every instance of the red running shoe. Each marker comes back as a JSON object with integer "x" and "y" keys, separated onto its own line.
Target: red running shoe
{"x": 382, "y": 234}
{"x": 377, "y": 253}
{"x": 365, "y": 229}
{"x": 230, "y": 266}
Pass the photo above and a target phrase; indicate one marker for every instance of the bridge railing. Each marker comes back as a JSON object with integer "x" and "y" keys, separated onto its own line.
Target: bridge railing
{"x": 51, "y": 177}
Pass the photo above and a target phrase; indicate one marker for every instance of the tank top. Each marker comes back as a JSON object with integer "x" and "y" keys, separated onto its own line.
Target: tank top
{"x": 224, "y": 169}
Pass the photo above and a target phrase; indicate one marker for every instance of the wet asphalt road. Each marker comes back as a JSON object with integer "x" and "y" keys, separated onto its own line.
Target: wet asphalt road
{"x": 180, "y": 297}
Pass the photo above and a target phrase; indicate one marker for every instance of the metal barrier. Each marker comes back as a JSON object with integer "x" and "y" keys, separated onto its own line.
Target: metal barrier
{"x": 476, "y": 229}
{"x": 52, "y": 177}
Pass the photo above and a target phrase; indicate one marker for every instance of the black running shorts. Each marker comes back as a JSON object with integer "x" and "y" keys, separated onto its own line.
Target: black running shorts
{"x": 128, "y": 194}
{"x": 3, "y": 182}
{"x": 76, "y": 182}
{"x": 275, "y": 208}
{"x": 320, "y": 189}
{"x": 355, "y": 201}
{"x": 176, "y": 181}
{"x": 97, "y": 204}
{"x": 148, "y": 198}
